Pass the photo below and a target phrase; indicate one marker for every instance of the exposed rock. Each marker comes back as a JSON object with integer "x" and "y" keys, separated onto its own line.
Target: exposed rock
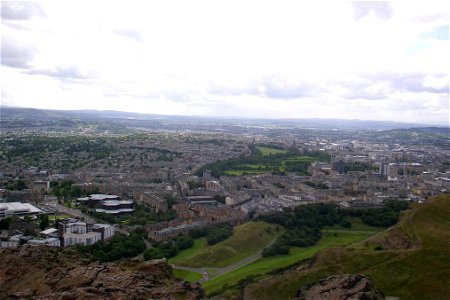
{"x": 396, "y": 239}
{"x": 56, "y": 273}
{"x": 341, "y": 287}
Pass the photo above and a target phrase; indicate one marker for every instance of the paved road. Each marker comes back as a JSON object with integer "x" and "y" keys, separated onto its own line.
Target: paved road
{"x": 73, "y": 212}
{"x": 219, "y": 271}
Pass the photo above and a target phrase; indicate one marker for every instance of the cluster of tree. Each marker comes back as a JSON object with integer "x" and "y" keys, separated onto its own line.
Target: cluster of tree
{"x": 100, "y": 148}
{"x": 142, "y": 215}
{"x": 118, "y": 247}
{"x": 44, "y": 222}
{"x": 195, "y": 184}
{"x": 170, "y": 248}
{"x": 37, "y": 146}
{"x": 303, "y": 225}
{"x": 4, "y": 223}
{"x": 16, "y": 185}
{"x": 356, "y": 166}
{"x": 380, "y": 217}
{"x": 300, "y": 237}
{"x": 220, "y": 199}
{"x": 65, "y": 189}
{"x": 317, "y": 185}
{"x": 279, "y": 185}
{"x": 275, "y": 161}
{"x": 213, "y": 234}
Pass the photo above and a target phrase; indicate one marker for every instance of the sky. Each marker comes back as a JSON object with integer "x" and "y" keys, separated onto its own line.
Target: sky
{"x": 368, "y": 60}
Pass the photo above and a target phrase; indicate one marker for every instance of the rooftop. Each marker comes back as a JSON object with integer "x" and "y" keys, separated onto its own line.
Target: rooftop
{"x": 13, "y": 207}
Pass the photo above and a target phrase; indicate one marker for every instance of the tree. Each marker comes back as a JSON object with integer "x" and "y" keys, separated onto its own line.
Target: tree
{"x": 44, "y": 222}
{"x": 4, "y": 223}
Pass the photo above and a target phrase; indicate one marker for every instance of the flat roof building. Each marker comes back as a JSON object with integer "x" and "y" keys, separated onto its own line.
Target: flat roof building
{"x": 9, "y": 209}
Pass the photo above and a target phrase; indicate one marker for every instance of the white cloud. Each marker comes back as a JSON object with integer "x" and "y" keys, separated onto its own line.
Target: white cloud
{"x": 252, "y": 58}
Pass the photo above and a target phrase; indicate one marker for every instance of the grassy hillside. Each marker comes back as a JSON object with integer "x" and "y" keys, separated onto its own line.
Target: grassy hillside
{"x": 330, "y": 237}
{"x": 247, "y": 239}
{"x": 199, "y": 246}
{"x": 413, "y": 262}
{"x": 187, "y": 275}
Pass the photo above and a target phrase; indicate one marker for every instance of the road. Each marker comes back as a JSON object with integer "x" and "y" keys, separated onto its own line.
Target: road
{"x": 219, "y": 271}
{"x": 73, "y": 212}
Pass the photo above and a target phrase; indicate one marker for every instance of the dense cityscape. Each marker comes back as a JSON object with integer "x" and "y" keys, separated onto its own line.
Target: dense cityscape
{"x": 241, "y": 150}
{"x": 86, "y": 181}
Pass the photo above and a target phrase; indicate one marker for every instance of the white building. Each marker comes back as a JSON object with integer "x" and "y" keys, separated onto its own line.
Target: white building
{"x": 77, "y": 232}
{"x": 9, "y": 209}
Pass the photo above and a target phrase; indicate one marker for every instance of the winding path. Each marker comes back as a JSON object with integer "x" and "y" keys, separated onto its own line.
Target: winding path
{"x": 219, "y": 271}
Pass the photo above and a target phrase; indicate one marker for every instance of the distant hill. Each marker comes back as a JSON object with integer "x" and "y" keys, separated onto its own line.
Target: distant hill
{"x": 411, "y": 260}
{"x": 13, "y": 117}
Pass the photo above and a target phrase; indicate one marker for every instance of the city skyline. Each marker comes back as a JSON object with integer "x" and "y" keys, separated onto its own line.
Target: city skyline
{"x": 367, "y": 60}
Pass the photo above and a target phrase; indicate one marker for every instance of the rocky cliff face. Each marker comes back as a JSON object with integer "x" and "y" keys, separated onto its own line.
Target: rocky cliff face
{"x": 56, "y": 273}
{"x": 340, "y": 287}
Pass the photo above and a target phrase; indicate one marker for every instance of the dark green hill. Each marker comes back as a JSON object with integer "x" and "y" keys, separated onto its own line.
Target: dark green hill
{"x": 412, "y": 260}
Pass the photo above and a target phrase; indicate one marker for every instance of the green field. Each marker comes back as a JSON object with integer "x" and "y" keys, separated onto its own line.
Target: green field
{"x": 199, "y": 245}
{"x": 266, "y": 151}
{"x": 242, "y": 172}
{"x": 247, "y": 239}
{"x": 57, "y": 217}
{"x": 265, "y": 159}
{"x": 413, "y": 262}
{"x": 264, "y": 265}
{"x": 187, "y": 275}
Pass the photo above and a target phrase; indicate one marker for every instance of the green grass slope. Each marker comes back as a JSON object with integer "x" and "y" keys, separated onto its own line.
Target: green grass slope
{"x": 187, "y": 275}
{"x": 413, "y": 265}
{"x": 199, "y": 245}
{"x": 247, "y": 239}
{"x": 330, "y": 237}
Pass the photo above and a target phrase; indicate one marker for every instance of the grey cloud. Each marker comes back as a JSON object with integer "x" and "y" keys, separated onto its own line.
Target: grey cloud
{"x": 129, "y": 33}
{"x": 174, "y": 95}
{"x": 21, "y": 10}
{"x": 71, "y": 72}
{"x": 14, "y": 54}
{"x": 280, "y": 88}
{"x": 227, "y": 90}
{"x": 391, "y": 82}
{"x": 381, "y": 9}
{"x": 412, "y": 82}
{"x": 276, "y": 87}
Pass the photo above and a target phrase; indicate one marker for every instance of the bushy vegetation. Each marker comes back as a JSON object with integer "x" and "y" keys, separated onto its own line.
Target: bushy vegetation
{"x": 303, "y": 226}
{"x": 304, "y": 223}
{"x": 142, "y": 215}
{"x": 418, "y": 269}
{"x": 170, "y": 248}
{"x": 213, "y": 234}
{"x": 118, "y": 247}
{"x": 380, "y": 217}
{"x": 66, "y": 189}
{"x": 317, "y": 185}
{"x": 4, "y": 223}
{"x": 16, "y": 185}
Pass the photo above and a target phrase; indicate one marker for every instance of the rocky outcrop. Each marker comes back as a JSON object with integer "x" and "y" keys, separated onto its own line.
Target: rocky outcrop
{"x": 341, "y": 287}
{"x": 56, "y": 273}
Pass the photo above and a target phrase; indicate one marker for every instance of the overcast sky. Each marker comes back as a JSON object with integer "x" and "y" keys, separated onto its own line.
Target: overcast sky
{"x": 265, "y": 59}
